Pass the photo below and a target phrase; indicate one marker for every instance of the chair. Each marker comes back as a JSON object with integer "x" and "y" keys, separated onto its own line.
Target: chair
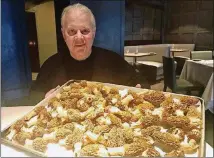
{"x": 203, "y": 55}
{"x": 180, "y": 64}
{"x": 181, "y": 57}
{"x": 174, "y": 84}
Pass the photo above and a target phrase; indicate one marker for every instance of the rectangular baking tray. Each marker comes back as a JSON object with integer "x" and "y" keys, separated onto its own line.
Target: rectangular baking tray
{"x": 201, "y": 150}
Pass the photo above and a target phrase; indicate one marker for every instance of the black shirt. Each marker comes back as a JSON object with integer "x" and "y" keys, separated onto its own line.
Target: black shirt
{"x": 102, "y": 66}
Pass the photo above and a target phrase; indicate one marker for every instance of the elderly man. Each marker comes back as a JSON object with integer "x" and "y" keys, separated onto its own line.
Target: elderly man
{"x": 81, "y": 60}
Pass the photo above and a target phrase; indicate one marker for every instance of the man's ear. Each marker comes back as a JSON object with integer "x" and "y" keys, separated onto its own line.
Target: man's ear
{"x": 94, "y": 32}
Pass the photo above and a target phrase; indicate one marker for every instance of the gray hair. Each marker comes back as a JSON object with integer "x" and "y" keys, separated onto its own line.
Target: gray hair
{"x": 82, "y": 8}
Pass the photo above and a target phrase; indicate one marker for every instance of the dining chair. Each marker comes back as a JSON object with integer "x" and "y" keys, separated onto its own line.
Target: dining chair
{"x": 203, "y": 55}
{"x": 180, "y": 64}
{"x": 176, "y": 84}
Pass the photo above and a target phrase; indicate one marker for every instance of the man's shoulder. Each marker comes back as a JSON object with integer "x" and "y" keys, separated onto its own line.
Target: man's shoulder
{"x": 110, "y": 58}
{"x": 105, "y": 52}
{"x": 53, "y": 60}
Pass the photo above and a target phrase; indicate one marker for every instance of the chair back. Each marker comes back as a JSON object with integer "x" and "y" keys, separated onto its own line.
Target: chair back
{"x": 159, "y": 49}
{"x": 169, "y": 72}
{"x": 203, "y": 55}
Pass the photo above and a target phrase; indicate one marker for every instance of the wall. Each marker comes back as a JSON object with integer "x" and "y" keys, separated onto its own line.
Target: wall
{"x": 190, "y": 22}
{"x": 15, "y": 74}
{"x": 110, "y": 18}
{"x": 142, "y": 22}
{"x": 46, "y": 30}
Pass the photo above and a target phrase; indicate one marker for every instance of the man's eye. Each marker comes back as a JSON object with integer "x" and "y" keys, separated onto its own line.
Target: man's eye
{"x": 85, "y": 31}
{"x": 72, "y": 32}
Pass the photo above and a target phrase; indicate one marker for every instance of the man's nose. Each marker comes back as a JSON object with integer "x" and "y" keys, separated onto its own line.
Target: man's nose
{"x": 79, "y": 34}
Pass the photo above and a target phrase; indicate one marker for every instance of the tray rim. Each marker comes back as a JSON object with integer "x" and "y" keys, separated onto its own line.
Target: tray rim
{"x": 23, "y": 148}
{"x": 201, "y": 150}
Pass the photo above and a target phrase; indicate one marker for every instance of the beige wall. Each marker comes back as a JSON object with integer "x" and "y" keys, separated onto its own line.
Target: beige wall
{"x": 46, "y": 30}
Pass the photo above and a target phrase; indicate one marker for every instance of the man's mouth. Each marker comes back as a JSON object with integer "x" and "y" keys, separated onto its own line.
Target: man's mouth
{"x": 79, "y": 45}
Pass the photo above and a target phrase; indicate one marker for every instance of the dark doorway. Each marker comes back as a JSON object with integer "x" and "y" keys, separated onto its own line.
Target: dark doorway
{"x": 32, "y": 42}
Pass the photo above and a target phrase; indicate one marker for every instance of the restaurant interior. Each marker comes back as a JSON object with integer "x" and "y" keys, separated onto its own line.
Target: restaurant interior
{"x": 170, "y": 43}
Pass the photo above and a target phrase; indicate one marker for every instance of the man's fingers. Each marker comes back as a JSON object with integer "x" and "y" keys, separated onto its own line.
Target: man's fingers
{"x": 138, "y": 86}
{"x": 51, "y": 91}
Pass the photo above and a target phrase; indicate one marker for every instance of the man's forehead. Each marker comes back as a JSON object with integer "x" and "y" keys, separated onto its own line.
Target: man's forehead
{"x": 76, "y": 17}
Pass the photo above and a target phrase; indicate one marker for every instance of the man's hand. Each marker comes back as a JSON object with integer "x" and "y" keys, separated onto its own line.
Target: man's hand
{"x": 51, "y": 91}
{"x": 138, "y": 86}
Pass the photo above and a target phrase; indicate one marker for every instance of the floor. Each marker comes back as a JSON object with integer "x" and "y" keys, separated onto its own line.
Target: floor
{"x": 209, "y": 117}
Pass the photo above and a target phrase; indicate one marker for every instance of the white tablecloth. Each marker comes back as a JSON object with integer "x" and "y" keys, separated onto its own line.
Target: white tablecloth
{"x": 10, "y": 114}
{"x": 201, "y": 72}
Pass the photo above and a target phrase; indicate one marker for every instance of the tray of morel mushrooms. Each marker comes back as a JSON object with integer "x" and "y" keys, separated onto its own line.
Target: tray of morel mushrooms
{"x": 84, "y": 118}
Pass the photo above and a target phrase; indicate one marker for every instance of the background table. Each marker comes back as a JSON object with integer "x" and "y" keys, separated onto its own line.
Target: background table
{"x": 135, "y": 55}
{"x": 201, "y": 72}
{"x": 10, "y": 114}
{"x": 174, "y": 50}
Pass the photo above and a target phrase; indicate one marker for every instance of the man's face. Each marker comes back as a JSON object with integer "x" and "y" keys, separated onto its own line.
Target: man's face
{"x": 78, "y": 34}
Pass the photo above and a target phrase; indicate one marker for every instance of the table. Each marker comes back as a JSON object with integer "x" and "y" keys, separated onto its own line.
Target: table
{"x": 136, "y": 55}
{"x": 200, "y": 72}
{"x": 174, "y": 50}
{"x": 9, "y": 114}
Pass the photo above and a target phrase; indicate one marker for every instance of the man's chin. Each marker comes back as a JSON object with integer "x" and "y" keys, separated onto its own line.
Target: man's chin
{"x": 80, "y": 56}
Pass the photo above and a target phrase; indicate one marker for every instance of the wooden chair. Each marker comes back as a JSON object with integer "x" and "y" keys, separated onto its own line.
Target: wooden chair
{"x": 174, "y": 84}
